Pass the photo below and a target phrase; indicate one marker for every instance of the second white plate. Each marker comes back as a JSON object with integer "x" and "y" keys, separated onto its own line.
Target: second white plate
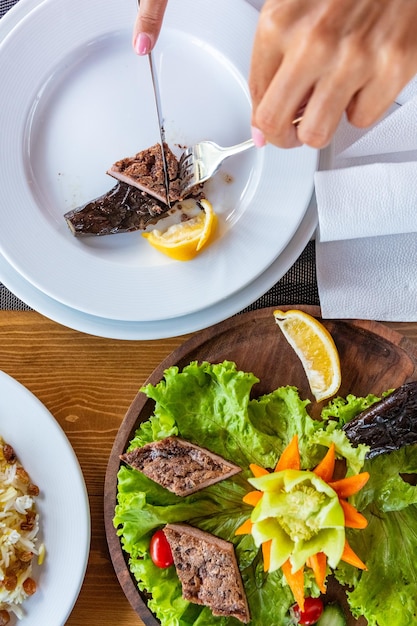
{"x": 45, "y": 452}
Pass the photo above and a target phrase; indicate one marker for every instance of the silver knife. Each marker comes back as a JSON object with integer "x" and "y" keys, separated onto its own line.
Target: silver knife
{"x": 160, "y": 124}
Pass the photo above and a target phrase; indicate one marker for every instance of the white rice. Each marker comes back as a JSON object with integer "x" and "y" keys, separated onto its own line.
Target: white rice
{"x": 18, "y": 546}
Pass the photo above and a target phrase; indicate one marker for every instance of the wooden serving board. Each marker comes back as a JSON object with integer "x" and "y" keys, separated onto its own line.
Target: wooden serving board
{"x": 373, "y": 359}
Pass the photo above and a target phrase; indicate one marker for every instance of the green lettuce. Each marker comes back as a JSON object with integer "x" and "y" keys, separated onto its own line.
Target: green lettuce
{"x": 389, "y": 543}
{"x": 345, "y": 409}
{"x": 216, "y": 407}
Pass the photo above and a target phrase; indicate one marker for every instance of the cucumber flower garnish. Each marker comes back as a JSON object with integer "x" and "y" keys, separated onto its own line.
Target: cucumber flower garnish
{"x": 300, "y": 516}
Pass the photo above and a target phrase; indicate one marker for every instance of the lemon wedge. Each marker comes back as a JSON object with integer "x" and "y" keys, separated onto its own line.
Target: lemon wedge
{"x": 184, "y": 241}
{"x": 316, "y": 350}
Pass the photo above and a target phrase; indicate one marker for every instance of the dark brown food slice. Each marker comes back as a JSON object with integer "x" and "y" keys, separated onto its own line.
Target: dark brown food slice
{"x": 388, "y": 424}
{"x": 208, "y": 571}
{"x": 145, "y": 171}
{"x": 179, "y": 465}
{"x": 123, "y": 209}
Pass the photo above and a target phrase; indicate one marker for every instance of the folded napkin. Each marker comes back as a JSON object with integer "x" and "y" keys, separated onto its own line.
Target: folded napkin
{"x": 367, "y": 201}
{"x": 366, "y": 244}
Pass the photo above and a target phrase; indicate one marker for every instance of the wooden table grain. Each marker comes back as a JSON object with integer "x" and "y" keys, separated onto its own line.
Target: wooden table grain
{"x": 88, "y": 383}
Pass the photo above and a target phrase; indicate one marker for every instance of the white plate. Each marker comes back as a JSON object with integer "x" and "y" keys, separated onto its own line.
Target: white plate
{"x": 47, "y": 455}
{"x": 158, "y": 329}
{"x": 82, "y": 101}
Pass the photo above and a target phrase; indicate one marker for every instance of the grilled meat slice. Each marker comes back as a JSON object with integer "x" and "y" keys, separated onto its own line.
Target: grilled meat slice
{"x": 145, "y": 171}
{"x": 121, "y": 210}
{"x": 208, "y": 571}
{"x": 180, "y": 466}
{"x": 388, "y": 424}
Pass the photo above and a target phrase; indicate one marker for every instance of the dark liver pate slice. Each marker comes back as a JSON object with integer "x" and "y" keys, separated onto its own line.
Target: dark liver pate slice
{"x": 208, "y": 571}
{"x": 145, "y": 171}
{"x": 179, "y": 465}
{"x": 123, "y": 209}
{"x": 389, "y": 424}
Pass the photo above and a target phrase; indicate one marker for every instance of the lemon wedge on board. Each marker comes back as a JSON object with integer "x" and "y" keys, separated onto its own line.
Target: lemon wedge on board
{"x": 316, "y": 350}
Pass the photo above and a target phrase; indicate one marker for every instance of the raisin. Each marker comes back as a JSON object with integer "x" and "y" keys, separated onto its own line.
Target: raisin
{"x": 9, "y": 454}
{"x": 29, "y": 586}
{"x": 30, "y": 521}
{"x": 22, "y": 475}
{"x": 33, "y": 490}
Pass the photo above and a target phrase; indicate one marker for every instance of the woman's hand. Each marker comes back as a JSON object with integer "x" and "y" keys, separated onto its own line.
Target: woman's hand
{"x": 148, "y": 25}
{"x": 331, "y": 56}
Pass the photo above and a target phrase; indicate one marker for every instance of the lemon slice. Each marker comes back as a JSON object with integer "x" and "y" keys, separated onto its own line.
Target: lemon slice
{"x": 316, "y": 350}
{"x": 183, "y": 241}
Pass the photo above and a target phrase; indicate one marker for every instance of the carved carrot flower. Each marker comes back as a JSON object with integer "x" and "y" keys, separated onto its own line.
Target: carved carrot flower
{"x": 300, "y": 516}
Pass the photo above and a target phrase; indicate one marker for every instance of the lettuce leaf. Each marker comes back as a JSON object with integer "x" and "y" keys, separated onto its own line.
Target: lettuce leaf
{"x": 215, "y": 406}
{"x": 386, "y": 593}
{"x": 345, "y": 409}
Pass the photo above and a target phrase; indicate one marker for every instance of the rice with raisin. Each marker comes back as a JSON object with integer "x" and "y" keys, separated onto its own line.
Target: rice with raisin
{"x": 19, "y": 526}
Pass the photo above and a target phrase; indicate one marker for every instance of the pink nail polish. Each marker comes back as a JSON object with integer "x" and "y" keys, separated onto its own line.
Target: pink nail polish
{"x": 258, "y": 137}
{"x": 143, "y": 44}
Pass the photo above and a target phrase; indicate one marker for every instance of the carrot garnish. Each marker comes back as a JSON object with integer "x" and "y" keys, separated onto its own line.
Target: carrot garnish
{"x": 266, "y": 554}
{"x": 257, "y": 470}
{"x": 290, "y": 458}
{"x": 325, "y": 468}
{"x": 353, "y": 519}
{"x": 349, "y": 556}
{"x": 346, "y": 487}
{"x": 296, "y": 582}
{"x": 245, "y": 528}
{"x": 318, "y": 563}
{"x": 252, "y": 497}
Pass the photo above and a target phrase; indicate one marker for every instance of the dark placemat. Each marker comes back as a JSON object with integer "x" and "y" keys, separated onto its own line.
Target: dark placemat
{"x": 298, "y": 286}
{"x": 10, "y": 302}
{"x": 5, "y": 5}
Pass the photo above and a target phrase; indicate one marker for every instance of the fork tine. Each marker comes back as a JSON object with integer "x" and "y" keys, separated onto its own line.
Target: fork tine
{"x": 191, "y": 172}
{"x": 186, "y": 160}
{"x": 185, "y": 155}
{"x": 187, "y": 182}
{"x": 186, "y": 168}
{"x": 186, "y": 173}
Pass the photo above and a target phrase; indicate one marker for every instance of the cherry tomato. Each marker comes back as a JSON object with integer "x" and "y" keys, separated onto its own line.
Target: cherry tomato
{"x": 160, "y": 550}
{"x": 313, "y": 608}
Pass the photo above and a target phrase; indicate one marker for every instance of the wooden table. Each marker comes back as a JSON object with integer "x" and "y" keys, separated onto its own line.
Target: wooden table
{"x": 88, "y": 383}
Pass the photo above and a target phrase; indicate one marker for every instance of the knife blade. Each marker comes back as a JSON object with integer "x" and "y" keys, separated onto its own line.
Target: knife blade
{"x": 157, "y": 97}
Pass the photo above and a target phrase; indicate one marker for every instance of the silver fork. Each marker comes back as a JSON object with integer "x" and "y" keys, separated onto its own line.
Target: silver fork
{"x": 200, "y": 162}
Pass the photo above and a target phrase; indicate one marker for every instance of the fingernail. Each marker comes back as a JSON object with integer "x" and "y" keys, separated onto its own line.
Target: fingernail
{"x": 143, "y": 44}
{"x": 258, "y": 137}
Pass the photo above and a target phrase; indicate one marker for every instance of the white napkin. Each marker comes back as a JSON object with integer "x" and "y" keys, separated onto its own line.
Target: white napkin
{"x": 394, "y": 133}
{"x": 369, "y": 278}
{"x": 366, "y": 245}
{"x": 367, "y": 201}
